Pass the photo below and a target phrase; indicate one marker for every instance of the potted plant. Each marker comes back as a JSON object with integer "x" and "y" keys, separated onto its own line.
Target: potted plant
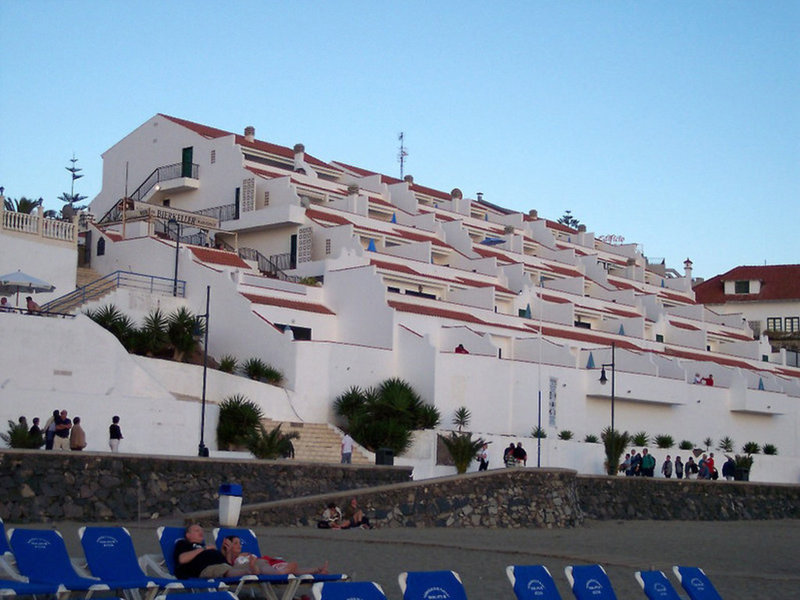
{"x": 742, "y": 464}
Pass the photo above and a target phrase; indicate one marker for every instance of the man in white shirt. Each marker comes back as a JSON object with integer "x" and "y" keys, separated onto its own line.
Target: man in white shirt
{"x": 347, "y": 449}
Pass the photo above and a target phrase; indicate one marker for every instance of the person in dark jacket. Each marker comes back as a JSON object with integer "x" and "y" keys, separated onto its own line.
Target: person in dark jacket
{"x": 728, "y": 468}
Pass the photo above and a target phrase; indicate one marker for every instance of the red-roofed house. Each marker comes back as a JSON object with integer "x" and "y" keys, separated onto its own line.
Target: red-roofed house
{"x": 768, "y": 298}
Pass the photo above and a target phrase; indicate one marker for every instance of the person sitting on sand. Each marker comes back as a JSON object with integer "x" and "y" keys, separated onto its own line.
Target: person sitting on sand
{"x": 266, "y": 565}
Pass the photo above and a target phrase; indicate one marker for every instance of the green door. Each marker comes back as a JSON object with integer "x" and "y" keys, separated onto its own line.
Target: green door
{"x": 186, "y": 162}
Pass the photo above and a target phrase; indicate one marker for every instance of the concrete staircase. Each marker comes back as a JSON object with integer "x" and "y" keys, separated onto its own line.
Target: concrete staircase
{"x": 72, "y": 301}
{"x": 318, "y": 442}
{"x": 85, "y": 276}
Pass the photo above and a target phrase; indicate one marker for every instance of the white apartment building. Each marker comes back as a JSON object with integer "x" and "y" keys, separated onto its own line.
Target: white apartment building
{"x": 340, "y": 276}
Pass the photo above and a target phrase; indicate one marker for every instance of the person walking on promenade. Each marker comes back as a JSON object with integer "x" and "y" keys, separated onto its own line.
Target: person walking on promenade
{"x": 114, "y": 434}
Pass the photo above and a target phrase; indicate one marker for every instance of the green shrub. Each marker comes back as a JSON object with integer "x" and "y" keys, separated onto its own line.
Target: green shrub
{"x": 239, "y": 420}
{"x": 665, "y": 441}
{"x": 462, "y": 417}
{"x": 751, "y": 448}
{"x": 591, "y": 439}
{"x": 151, "y": 337}
{"x": 257, "y": 369}
{"x": 770, "y": 449}
{"x": 641, "y": 438}
{"x": 184, "y": 331}
{"x": 538, "y": 432}
{"x": 566, "y": 434}
{"x": 686, "y": 445}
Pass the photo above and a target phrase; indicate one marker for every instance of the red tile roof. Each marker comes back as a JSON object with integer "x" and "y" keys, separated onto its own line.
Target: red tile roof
{"x": 218, "y": 257}
{"x": 778, "y": 282}
{"x": 318, "y": 215}
{"x": 213, "y": 132}
{"x": 684, "y": 326}
{"x": 285, "y": 303}
{"x": 441, "y": 313}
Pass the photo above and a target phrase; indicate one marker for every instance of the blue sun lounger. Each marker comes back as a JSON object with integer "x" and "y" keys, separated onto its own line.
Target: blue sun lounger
{"x": 347, "y": 590}
{"x": 21, "y": 588}
{"x": 532, "y": 582}
{"x": 110, "y": 555}
{"x": 168, "y": 536}
{"x": 589, "y": 582}
{"x": 656, "y": 586}
{"x": 250, "y": 544}
{"x": 42, "y": 557}
{"x": 420, "y": 585}
{"x": 696, "y": 583}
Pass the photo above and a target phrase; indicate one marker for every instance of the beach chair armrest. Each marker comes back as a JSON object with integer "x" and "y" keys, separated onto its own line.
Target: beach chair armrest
{"x": 153, "y": 564}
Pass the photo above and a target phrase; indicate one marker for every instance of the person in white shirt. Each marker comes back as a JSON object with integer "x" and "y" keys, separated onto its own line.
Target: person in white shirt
{"x": 347, "y": 449}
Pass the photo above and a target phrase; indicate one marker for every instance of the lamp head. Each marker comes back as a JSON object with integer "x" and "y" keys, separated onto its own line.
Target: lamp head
{"x": 603, "y": 378}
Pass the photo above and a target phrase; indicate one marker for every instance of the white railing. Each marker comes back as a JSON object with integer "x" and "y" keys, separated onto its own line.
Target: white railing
{"x": 38, "y": 225}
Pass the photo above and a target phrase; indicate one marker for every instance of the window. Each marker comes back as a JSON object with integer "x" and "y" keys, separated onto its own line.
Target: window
{"x": 101, "y": 247}
{"x": 741, "y": 287}
{"x": 328, "y": 246}
{"x": 266, "y": 197}
{"x": 213, "y": 156}
{"x": 774, "y": 324}
{"x": 791, "y": 324}
{"x": 659, "y": 338}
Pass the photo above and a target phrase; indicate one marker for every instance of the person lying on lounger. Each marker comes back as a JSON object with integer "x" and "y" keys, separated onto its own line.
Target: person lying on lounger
{"x": 195, "y": 559}
{"x": 266, "y": 565}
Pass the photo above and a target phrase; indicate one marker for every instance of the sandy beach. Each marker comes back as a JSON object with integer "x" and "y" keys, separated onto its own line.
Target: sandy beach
{"x": 745, "y": 559}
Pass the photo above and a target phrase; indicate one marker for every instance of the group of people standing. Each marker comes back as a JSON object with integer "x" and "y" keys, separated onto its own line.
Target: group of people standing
{"x": 515, "y": 456}
{"x": 62, "y": 433}
{"x": 643, "y": 465}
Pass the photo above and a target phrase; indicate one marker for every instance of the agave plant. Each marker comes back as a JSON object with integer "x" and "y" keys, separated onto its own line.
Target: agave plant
{"x": 152, "y": 338}
{"x": 228, "y": 364}
{"x": 686, "y": 445}
{"x": 109, "y": 317}
{"x": 538, "y": 432}
{"x": 566, "y": 434}
{"x": 665, "y": 441}
{"x": 641, "y": 438}
{"x": 770, "y": 449}
{"x": 591, "y": 439}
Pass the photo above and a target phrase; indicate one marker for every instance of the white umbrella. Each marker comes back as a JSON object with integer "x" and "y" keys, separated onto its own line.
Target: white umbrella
{"x": 14, "y": 283}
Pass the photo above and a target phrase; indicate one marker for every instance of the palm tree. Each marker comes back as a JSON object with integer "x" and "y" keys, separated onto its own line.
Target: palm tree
{"x": 272, "y": 444}
{"x": 152, "y": 336}
{"x": 23, "y": 205}
{"x": 184, "y": 330}
{"x": 615, "y": 443}
{"x": 239, "y": 419}
{"x": 462, "y": 417}
{"x": 463, "y": 449}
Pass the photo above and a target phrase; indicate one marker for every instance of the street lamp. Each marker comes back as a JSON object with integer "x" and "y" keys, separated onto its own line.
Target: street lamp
{"x": 201, "y": 449}
{"x": 177, "y": 249}
{"x": 604, "y": 379}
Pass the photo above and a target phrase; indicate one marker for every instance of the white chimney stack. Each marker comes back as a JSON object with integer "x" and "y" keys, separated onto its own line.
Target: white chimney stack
{"x": 250, "y": 133}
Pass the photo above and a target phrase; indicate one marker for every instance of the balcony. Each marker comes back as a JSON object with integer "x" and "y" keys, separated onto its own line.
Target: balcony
{"x": 635, "y": 387}
{"x": 178, "y": 177}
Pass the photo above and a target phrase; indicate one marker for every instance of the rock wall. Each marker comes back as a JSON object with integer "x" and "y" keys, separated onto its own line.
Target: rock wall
{"x": 685, "y": 499}
{"x": 37, "y": 486}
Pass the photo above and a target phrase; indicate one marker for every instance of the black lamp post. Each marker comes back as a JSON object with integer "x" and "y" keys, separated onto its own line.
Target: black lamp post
{"x": 604, "y": 379}
{"x": 201, "y": 449}
{"x": 177, "y": 249}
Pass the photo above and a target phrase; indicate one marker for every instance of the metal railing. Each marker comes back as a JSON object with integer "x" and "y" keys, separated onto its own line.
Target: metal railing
{"x": 100, "y": 287}
{"x": 226, "y": 212}
{"x": 165, "y": 173}
{"x": 266, "y": 265}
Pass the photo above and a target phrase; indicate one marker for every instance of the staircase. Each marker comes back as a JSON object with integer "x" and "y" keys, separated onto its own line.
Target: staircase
{"x": 318, "y": 442}
{"x": 85, "y": 276}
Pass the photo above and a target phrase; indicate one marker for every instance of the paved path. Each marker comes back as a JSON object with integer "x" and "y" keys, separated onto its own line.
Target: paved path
{"x": 745, "y": 559}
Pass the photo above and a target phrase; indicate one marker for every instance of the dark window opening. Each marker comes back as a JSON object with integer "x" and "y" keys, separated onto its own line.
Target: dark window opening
{"x": 394, "y": 290}
{"x": 583, "y": 325}
{"x": 420, "y": 294}
{"x": 101, "y": 247}
{"x": 298, "y": 333}
{"x": 741, "y": 287}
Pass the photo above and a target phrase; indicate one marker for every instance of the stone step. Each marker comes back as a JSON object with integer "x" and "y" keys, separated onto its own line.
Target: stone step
{"x": 318, "y": 442}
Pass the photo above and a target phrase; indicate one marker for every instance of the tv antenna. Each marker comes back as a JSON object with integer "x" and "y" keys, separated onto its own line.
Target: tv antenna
{"x": 401, "y": 155}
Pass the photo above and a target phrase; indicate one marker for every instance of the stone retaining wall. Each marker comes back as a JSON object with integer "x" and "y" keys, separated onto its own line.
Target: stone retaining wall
{"x": 37, "y": 486}
{"x": 498, "y": 498}
{"x": 630, "y": 498}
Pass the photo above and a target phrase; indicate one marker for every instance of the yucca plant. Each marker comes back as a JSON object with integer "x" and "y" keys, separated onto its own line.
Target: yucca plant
{"x": 538, "y": 432}
{"x": 708, "y": 443}
{"x": 254, "y": 368}
{"x": 151, "y": 338}
{"x": 686, "y": 445}
{"x": 751, "y": 448}
{"x": 726, "y": 444}
{"x": 641, "y": 438}
{"x": 122, "y": 326}
{"x": 566, "y": 434}
{"x": 591, "y": 439}
{"x": 463, "y": 449}
{"x": 239, "y": 419}
{"x": 462, "y": 417}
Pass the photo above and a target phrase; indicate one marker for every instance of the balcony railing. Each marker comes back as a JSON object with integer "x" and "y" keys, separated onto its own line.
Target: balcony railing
{"x": 226, "y": 212}
{"x": 37, "y": 224}
{"x": 165, "y": 173}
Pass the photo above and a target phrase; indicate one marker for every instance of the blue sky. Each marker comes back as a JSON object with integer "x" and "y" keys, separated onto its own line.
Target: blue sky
{"x": 675, "y": 125}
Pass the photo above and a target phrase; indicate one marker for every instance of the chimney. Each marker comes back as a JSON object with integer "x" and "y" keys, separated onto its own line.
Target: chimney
{"x": 582, "y": 228}
{"x": 456, "y": 193}
{"x": 250, "y": 133}
{"x": 409, "y": 179}
{"x": 352, "y": 189}
{"x": 299, "y": 158}
{"x": 533, "y": 213}
{"x": 687, "y": 269}
{"x": 480, "y": 196}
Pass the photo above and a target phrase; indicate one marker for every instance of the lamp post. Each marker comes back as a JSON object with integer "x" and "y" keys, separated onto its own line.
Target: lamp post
{"x": 177, "y": 249}
{"x": 201, "y": 449}
{"x": 604, "y": 379}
